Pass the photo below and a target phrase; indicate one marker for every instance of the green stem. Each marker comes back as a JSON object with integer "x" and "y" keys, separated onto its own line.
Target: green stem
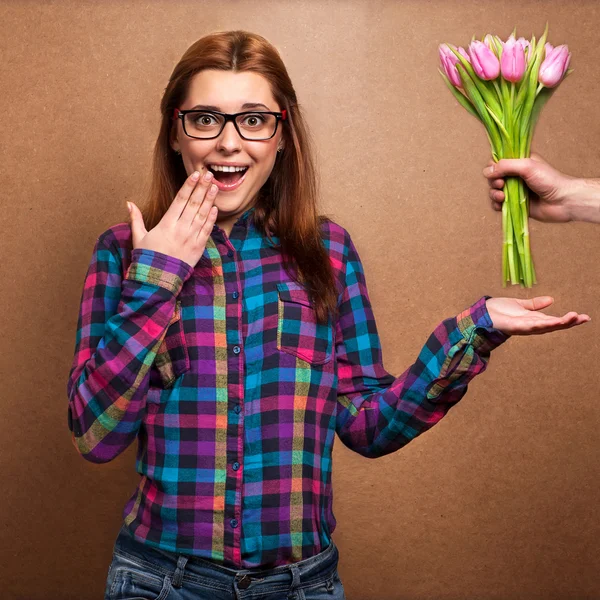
{"x": 505, "y": 273}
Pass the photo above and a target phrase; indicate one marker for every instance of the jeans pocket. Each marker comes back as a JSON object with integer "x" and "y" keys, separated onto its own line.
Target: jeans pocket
{"x": 130, "y": 580}
{"x": 330, "y": 588}
{"x": 172, "y": 358}
{"x": 298, "y": 332}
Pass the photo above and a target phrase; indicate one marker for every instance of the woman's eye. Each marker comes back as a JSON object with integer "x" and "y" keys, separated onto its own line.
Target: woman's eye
{"x": 254, "y": 120}
{"x": 204, "y": 119}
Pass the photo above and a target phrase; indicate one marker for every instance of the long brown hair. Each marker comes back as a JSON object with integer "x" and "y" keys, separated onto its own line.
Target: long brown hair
{"x": 286, "y": 205}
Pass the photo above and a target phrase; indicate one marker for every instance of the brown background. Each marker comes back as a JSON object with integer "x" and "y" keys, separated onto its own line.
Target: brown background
{"x": 500, "y": 499}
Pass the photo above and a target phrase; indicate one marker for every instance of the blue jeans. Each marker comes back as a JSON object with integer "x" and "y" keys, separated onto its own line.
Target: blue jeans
{"x": 140, "y": 572}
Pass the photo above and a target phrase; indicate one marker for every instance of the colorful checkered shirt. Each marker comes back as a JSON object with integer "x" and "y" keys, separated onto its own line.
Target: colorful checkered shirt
{"x": 235, "y": 393}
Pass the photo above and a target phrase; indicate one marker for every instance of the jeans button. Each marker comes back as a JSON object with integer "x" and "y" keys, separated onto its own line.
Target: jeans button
{"x": 244, "y": 582}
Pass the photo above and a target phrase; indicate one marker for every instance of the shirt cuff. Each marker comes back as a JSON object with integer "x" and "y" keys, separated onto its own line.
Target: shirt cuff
{"x": 150, "y": 266}
{"x": 476, "y": 326}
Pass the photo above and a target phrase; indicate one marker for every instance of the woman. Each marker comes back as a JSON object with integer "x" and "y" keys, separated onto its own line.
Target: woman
{"x": 230, "y": 331}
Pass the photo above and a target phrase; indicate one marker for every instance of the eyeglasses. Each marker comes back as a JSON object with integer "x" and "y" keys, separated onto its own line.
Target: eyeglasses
{"x": 206, "y": 125}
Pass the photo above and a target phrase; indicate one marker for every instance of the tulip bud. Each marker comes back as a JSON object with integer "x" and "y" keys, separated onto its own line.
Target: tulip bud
{"x": 526, "y": 45}
{"x": 462, "y": 52}
{"x": 548, "y": 48}
{"x": 449, "y": 60}
{"x": 484, "y": 61}
{"x": 512, "y": 63}
{"x": 554, "y": 66}
{"x": 488, "y": 40}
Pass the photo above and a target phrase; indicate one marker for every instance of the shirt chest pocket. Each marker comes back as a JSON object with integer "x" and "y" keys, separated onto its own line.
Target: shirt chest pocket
{"x": 298, "y": 332}
{"x": 172, "y": 358}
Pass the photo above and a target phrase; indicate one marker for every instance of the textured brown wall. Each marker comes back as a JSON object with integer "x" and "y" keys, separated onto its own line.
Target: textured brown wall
{"x": 500, "y": 499}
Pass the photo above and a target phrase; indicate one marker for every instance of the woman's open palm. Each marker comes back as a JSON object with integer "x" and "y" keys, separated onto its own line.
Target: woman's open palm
{"x": 514, "y": 316}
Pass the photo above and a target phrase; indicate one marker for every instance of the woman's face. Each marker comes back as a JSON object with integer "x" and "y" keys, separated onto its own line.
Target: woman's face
{"x": 228, "y": 91}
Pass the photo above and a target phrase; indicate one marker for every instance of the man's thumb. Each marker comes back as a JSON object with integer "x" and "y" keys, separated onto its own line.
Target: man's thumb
{"x": 508, "y": 166}
{"x": 138, "y": 230}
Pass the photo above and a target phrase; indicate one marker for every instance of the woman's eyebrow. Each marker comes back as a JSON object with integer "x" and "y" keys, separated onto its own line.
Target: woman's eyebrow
{"x": 245, "y": 105}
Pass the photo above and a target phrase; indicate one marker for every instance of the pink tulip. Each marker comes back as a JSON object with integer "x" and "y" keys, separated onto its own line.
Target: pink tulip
{"x": 449, "y": 60}
{"x": 484, "y": 61}
{"x": 554, "y": 66}
{"x": 488, "y": 40}
{"x": 462, "y": 52}
{"x": 512, "y": 63}
{"x": 526, "y": 46}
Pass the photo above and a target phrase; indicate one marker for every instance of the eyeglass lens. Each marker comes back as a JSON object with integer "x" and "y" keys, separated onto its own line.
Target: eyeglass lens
{"x": 253, "y": 126}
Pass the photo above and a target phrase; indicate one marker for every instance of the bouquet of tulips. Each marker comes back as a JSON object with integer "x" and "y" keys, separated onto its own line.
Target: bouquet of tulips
{"x": 505, "y": 85}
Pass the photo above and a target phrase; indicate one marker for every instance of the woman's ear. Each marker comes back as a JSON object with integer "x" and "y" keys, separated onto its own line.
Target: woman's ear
{"x": 173, "y": 142}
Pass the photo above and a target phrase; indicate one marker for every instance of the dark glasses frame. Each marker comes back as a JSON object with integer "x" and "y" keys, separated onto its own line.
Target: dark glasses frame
{"x": 180, "y": 114}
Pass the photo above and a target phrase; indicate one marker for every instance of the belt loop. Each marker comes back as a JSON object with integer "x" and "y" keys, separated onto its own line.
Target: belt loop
{"x": 295, "y": 582}
{"x": 178, "y": 577}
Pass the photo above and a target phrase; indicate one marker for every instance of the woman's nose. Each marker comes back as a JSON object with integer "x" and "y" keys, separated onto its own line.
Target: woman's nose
{"x": 229, "y": 139}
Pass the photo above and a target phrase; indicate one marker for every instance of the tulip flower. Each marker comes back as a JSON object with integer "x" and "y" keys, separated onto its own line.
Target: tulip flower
{"x": 488, "y": 40}
{"x": 484, "y": 61}
{"x": 463, "y": 53}
{"x": 554, "y": 66}
{"x": 526, "y": 47}
{"x": 449, "y": 60}
{"x": 505, "y": 85}
{"x": 512, "y": 63}
{"x": 525, "y": 43}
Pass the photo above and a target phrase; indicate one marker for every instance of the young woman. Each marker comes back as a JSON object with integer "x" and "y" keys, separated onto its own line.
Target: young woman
{"x": 228, "y": 329}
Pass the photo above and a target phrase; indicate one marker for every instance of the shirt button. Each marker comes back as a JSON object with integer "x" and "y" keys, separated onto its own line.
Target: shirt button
{"x": 234, "y": 523}
{"x": 235, "y": 294}
{"x": 238, "y": 409}
{"x": 236, "y": 349}
{"x": 230, "y": 253}
{"x": 236, "y": 466}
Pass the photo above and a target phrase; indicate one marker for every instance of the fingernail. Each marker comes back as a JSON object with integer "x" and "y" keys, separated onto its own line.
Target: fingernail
{"x": 488, "y": 170}
{"x": 208, "y": 176}
{"x": 129, "y": 207}
{"x": 195, "y": 175}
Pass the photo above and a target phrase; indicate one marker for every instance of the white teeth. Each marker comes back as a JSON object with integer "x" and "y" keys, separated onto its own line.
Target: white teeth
{"x": 226, "y": 169}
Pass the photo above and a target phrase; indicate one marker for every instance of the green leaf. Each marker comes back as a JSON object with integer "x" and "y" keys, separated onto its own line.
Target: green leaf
{"x": 532, "y": 85}
{"x": 540, "y": 102}
{"x": 480, "y": 106}
{"x": 481, "y": 85}
{"x": 500, "y": 126}
{"x": 462, "y": 99}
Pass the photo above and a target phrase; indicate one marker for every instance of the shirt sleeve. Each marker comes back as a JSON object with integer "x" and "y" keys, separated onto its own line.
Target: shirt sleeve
{"x": 378, "y": 413}
{"x": 122, "y": 322}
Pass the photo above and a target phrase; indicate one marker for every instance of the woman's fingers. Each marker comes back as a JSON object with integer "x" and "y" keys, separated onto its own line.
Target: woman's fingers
{"x": 539, "y": 323}
{"x": 196, "y": 200}
{"x": 205, "y": 226}
{"x": 176, "y": 208}
{"x": 206, "y": 215}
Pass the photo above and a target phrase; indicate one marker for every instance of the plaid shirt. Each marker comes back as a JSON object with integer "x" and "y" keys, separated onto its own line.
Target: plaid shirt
{"x": 235, "y": 393}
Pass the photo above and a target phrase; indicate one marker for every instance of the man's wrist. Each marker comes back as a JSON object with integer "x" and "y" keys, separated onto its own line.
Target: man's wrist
{"x": 582, "y": 200}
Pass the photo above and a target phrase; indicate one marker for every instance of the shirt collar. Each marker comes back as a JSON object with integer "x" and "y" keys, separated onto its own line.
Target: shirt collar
{"x": 245, "y": 217}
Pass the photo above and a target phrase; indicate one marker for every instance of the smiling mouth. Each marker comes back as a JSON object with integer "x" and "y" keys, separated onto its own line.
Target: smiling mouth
{"x": 229, "y": 182}
{"x": 228, "y": 178}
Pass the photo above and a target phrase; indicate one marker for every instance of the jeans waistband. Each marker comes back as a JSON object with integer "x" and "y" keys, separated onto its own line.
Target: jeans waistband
{"x": 162, "y": 561}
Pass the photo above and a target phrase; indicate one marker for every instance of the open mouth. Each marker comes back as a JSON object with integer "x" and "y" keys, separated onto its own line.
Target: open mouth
{"x": 226, "y": 180}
